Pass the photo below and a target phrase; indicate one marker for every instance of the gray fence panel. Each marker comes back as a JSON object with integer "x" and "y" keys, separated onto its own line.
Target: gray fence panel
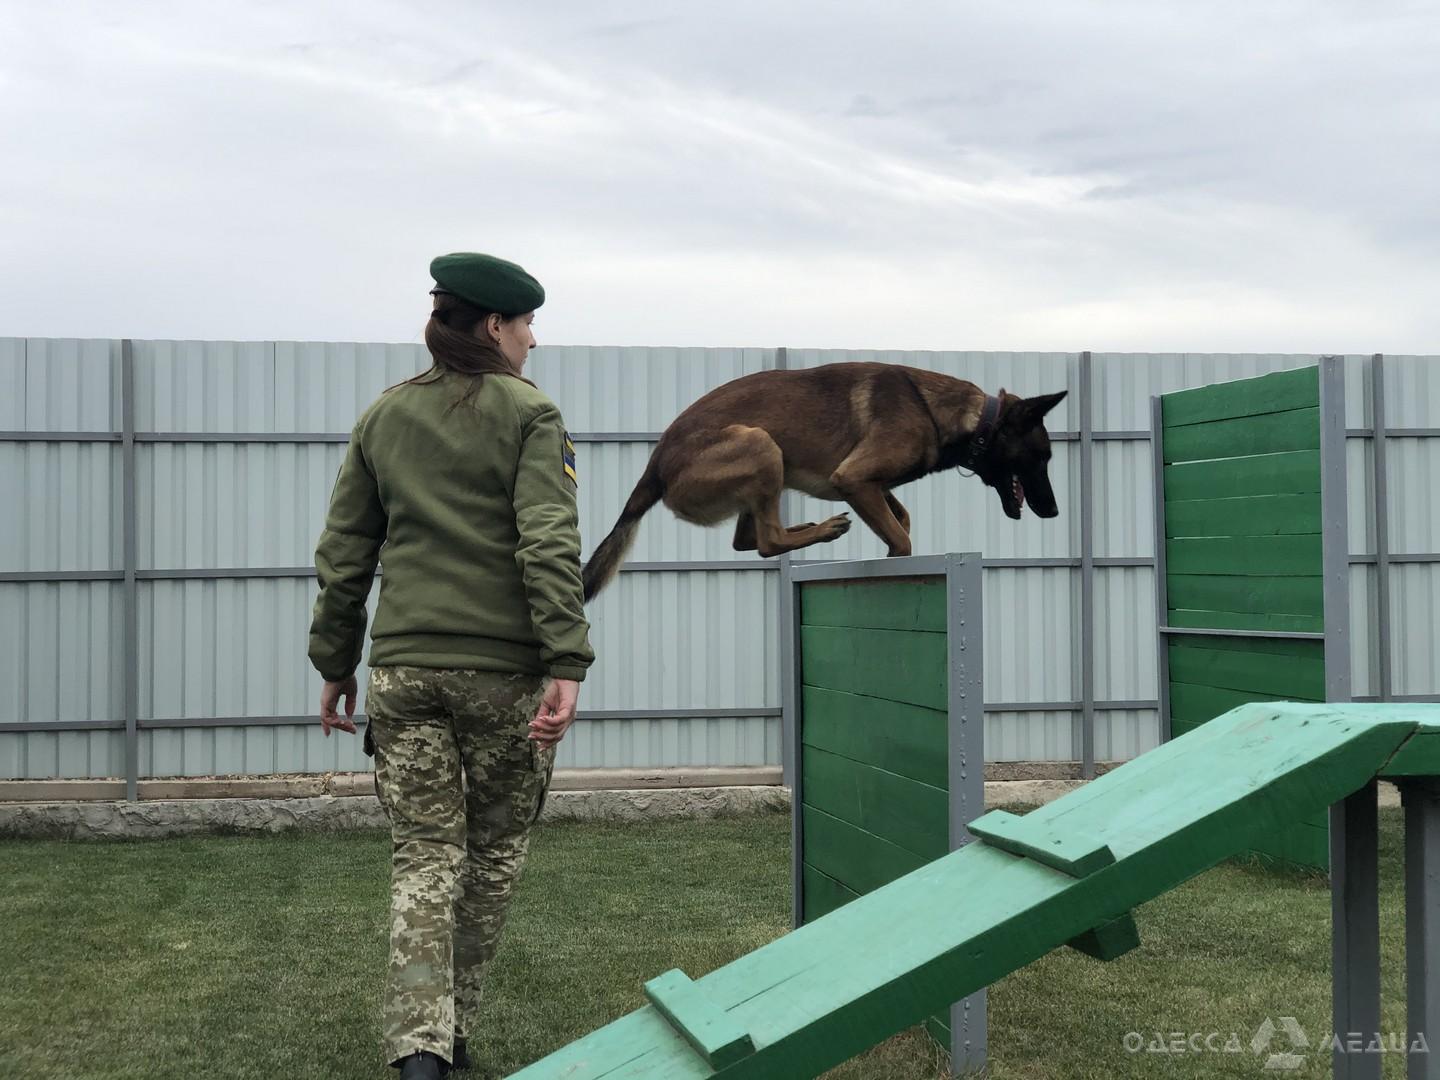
{"x": 1415, "y": 609}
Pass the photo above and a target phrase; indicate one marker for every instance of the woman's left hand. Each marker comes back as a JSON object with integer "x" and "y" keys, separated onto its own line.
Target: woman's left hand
{"x": 330, "y": 697}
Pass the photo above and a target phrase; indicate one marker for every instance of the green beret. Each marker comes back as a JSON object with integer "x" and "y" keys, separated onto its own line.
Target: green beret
{"x": 487, "y": 282}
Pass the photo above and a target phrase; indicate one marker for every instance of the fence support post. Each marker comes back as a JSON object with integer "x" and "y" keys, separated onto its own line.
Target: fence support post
{"x": 130, "y": 603}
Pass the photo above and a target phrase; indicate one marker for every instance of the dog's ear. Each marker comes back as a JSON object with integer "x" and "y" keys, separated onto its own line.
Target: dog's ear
{"x": 1031, "y": 410}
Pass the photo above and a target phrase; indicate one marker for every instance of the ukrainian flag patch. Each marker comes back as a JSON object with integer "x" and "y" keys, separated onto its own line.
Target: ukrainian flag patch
{"x": 567, "y": 459}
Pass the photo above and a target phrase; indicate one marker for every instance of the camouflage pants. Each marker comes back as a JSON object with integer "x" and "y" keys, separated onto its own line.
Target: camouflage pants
{"x": 461, "y": 784}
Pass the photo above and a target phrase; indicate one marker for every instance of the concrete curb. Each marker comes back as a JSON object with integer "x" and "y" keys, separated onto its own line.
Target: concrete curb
{"x": 160, "y": 819}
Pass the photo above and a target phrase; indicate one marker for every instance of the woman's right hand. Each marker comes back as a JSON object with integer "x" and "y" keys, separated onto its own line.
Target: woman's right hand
{"x": 556, "y": 712}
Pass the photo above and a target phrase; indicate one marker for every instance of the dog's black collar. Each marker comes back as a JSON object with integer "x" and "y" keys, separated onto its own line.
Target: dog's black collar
{"x": 984, "y": 430}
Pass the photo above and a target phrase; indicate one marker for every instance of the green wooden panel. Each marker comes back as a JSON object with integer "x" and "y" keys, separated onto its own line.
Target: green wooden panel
{"x": 907, "y": 740}
{"x": 1419, "y": 756}
{"x": 909, "y": 814}
{"x": 1309, "y": 649}
{"x": 1257, "y": 515}
{"x": 939, "y": 1031}
{"x": 823, "y": 894}
{"x": 898, "y": 665}
{"x": 1275, "y": 433}
{"x": 1279, "y": 391}
{"x": 711, "y": 1031}
{"x": 1246, "y": 620}
{"x": 894, "y": 957}
{"x": 1304, "y": 844}
{"x": 1110, "y": 940}
{"x": 1247, "y": 556}
{"x": 1294, "y": 473}
{"x": 888, "y": 604}
{"x": 852, "y": 856}
{"x": 1191, "y": 705}
{"x": 1294, "y": 678}
{"x": 1259, "y": 596}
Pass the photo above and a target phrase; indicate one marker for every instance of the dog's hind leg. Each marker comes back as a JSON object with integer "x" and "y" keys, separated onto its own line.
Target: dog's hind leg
{"x": 745, "y": 532}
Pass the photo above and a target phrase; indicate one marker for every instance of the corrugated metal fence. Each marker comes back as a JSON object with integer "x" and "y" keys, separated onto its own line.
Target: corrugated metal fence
{"x": 178, "y": 488}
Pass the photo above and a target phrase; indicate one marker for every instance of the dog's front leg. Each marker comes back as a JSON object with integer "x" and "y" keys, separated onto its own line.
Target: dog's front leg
{"x": 870, "y": 500}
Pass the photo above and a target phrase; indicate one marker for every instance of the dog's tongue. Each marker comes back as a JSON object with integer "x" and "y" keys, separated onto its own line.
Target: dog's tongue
{"x": 1018, "y": 491}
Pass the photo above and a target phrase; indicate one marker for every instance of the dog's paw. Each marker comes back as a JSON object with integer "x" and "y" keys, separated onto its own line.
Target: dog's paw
{"x": 837, "y": 526}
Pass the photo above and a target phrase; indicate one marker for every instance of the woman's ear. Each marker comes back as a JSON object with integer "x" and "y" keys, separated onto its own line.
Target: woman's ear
{"x": 492, "y": 327}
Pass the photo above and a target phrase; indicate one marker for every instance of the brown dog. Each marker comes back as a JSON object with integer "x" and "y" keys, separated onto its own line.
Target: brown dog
{"x": 848, "y": 431}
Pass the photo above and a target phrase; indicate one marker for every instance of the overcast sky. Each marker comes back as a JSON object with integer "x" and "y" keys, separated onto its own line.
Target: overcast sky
{"x": 1241, "y": 176}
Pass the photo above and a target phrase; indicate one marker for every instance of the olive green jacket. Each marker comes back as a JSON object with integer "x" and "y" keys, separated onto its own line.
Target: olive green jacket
{"x": 470, "y": 511}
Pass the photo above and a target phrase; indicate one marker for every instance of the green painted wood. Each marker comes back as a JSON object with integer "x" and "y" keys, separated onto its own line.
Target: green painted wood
{"x": 823, "y": 894}
{"x": 1311, "y": 649}
{"x": 888, "y": 960}
{"x": 859, "y": 860}
{"x": 1298, "y": 429}
{"x": 715, "y": 1036}
{"x": 1295, "y": 678}
{"x": 1110, "y": 940}
{"x": 1418, "y": 756}
{"x": 907, "y": 740}
{"x": 1246, "y": 620}
{"x": 1191, "y": 704}
{"x": 1076, "y": 855}
{"x": 1278, "y": 391}
{"x": 939, "y": 1031}
{"x": 1256, "y": 515}
{"x": 883, "y": 604}
{"x": 1249, "y": 556}
{"x": 1294, "y": 473}
{"x": 897, "y": 665}
{"x": 907, "y": 813}
{"x": 1259, "y": 596}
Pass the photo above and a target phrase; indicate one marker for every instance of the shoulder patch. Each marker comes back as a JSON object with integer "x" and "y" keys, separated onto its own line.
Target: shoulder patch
{"x": 567, "y": 459}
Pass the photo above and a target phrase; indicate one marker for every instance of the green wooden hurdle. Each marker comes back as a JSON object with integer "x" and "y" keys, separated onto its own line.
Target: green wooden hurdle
{"x": 883, "y": 692}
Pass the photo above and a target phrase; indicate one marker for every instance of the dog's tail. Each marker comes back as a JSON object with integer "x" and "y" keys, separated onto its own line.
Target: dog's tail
{"x": 605, "y": 562}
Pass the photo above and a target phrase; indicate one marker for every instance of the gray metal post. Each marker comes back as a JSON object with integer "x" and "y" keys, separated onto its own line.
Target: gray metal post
{"x": 965, "y": 636}
{"x": 1162, "y": 606}
{"x": 1087, "y": 574}
{"x": 130, "y": 603}
{"x": 1355, "y": 941}
{"x": 790, "y": 704}
{"x": 1382, "y": 526}
{"x": 1422, "y": 925}
{"x": 1334, "y": 530}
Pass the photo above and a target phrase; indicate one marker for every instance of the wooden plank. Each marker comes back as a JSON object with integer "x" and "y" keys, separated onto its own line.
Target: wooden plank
{"x": 1256, "y": 515}
{"x": 898, "y": 665}
{"x": 1192, "y": 705}
{"x": 816, "y": 997}
{"x": 1246, "y": 620}
{"x": 1110, "y": 940}
{"x": 1249, "y": 556}
{"x": 1418, "y": 756}
{"x": 712, "y": 1032}
{"x": 1273, "y": 433}
{"x": 823, "y": 894}
{"x": 907, "y": 813}
{"x": 1074, "y": 854}
{"x": 1256, "y": 596}
{"x": 859, "y": 861}
{"x": 1308, "y": 649}
{"x": 884, "y": 604}
{"x": 1294, "y": 473}
{"x": 1293, "y": 678}
{"x": 1277, "y": 391}
{"x": 907, "y": 740}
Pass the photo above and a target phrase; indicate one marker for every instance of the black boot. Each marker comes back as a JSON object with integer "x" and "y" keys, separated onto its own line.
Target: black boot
{"x": 423, "y": 1065}
{"x": 459, "y": 1059}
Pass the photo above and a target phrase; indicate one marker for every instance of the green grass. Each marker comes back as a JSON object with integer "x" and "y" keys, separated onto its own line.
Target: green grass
{"x": 243, "y": 957}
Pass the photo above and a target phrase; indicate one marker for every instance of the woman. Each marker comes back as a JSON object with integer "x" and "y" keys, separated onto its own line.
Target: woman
{"x": 462, "y": 481}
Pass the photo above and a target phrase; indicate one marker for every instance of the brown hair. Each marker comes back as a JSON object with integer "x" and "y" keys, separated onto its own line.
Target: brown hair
{"x": 455, "y": 348}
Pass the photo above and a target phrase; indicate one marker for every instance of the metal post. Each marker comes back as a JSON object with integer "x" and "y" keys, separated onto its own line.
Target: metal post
{"x": 1422, "y": 925}
{"x": 1355, "y": 941}
{"x": 791, "y": 735}
{"x": 1382, "y": 526}
{"x": 1334, "y": 516}
{"x": 1162, "y": 605}
{"x": 130, "y": 602}
{"x": 965, "y": 648}
{"x": 1087, "y": 575}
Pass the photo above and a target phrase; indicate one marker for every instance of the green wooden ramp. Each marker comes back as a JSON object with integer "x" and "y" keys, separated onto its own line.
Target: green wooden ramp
{"x": 1069, "y": 874}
